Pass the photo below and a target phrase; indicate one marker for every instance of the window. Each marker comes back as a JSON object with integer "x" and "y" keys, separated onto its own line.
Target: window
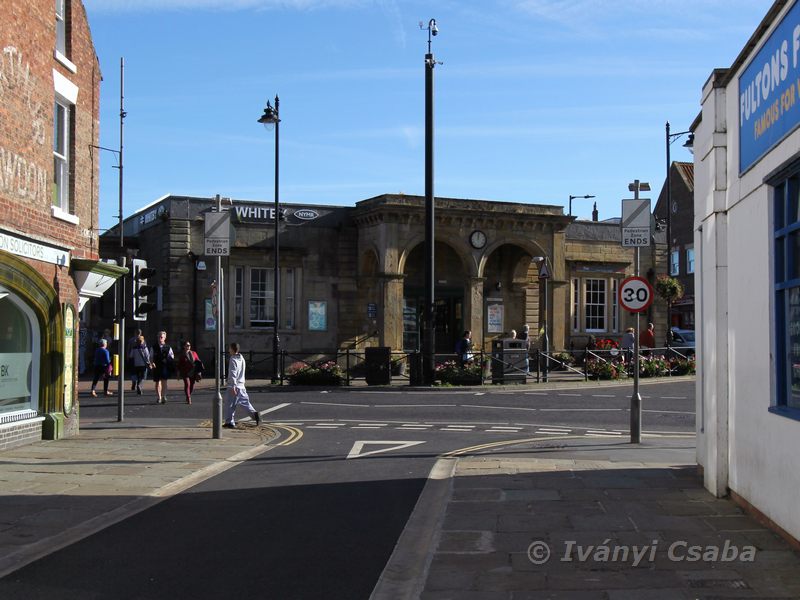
{"x": 614, "y": 305}
{"x": 238, "y": 297}
{"x": 61, "y": 156}
{"x": 595, "y": 294}
{"x": 690, "y": 260}
{"x": 674, "y": 263}
{"x": 576, "y": 304}
{"x": 787, "y": 292}
{"x": 288, "y": 299}
{"x": 262, "y": 294}
{"x": 61, "y": 27}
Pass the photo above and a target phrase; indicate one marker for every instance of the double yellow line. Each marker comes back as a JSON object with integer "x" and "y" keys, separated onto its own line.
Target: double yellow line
{"x": 480, "y": 447}
{"x": 294, "y": 434}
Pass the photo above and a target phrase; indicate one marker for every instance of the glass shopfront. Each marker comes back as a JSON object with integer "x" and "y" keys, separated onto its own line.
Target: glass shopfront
{"x": 19, "y": 343}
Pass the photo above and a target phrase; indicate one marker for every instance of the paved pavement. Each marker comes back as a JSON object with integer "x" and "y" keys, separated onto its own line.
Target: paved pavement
{"x": 614, "y": 521}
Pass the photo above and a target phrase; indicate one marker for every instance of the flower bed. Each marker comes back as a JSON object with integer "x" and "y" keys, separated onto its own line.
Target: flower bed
{"x": 653, "y": 366}
{"x": 600, "y": 369}
{"x": 328, "y": 374}
{"x": 450, "y": 373}
{"x": 683, "y": 366}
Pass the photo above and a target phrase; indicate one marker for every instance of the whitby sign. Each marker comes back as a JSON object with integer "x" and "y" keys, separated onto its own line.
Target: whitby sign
{"x": 244, "y": 213}
{"x": 769, "y": 92}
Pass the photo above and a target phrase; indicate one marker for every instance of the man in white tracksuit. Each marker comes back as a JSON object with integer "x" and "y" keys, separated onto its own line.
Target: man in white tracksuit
{"x": 237, "y": 392}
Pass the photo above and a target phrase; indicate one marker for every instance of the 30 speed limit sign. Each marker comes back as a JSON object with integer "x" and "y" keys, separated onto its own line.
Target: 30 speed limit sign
{"x": 635, "y": 294}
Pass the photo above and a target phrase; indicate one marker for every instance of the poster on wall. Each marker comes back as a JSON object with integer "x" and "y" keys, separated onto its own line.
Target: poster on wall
{"x": 494, "y": 318}
{"x": 69, "y": 359}
{"x": 210, "y": 320}
{"x": 317, "y": 315}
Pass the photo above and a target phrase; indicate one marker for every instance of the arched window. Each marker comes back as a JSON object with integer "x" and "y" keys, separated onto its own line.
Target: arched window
{"x": 20, "y": 349}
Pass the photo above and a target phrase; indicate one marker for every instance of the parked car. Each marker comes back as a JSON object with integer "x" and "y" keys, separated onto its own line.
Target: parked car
{"x": 683, "y": 338}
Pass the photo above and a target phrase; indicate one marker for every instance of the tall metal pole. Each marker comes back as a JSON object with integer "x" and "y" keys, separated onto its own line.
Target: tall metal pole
{"x": 277, "y": 281}
{"x": 429, "y": 345}
{"x": 636, "y": 398}
{"x": 545, "y": 368}
{"x": 121, "y": 341}
{"x": 669, "y": 234}
{"x": 216, "y": 412}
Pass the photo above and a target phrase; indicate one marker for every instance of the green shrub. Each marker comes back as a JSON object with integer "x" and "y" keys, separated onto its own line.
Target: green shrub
{"x": 653, "y": 366}
{"x": 327, "y": 374}
{"x": 683, "y": 366}
{"x": 565, "y": 359}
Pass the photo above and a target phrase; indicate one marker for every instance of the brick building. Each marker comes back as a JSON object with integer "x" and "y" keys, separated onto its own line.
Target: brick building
{"x": 353, "y": 276}
{"x": 49, "y": 99}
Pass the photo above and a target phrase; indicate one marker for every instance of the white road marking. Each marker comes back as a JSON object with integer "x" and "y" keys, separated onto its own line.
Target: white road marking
{"x": 536, "y": 393}
{"x": 602, "y": 432}
{"x": 603, "y": 396}
{"x": 582, "y": 409}
{"x": 290, "y": 423}
{"x": 550, "y": 432}
{"x": 674, "y": 398}
{"x": 556, "y": 429}
{"x": 274, "y": 408}
{"x": 571, "y": 395}
{"x": 358, "y": 447}
{"x": 333, "y": 404}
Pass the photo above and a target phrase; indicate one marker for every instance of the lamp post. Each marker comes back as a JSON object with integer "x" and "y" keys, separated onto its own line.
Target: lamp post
{"x": 669, "y": 138}
{"x": 571, "y": 198}
{"x": 269, "y": 118}
{"x": 544, "y": 275}
{"x": 429, "y": 342}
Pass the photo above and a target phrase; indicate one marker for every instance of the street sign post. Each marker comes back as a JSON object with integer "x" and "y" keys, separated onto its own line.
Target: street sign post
{"x": 635, "y": 294}
{"x": 218, "y": 234}
{"x": 635, "y": 223}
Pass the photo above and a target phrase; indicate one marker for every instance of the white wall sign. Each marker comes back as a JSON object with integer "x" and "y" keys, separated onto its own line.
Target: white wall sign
{"x": 635, "y": 223}
{"x": 34, "y": 250}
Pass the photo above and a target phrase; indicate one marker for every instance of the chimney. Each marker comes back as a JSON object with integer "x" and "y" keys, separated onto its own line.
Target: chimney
{"x": 595, "y": 214}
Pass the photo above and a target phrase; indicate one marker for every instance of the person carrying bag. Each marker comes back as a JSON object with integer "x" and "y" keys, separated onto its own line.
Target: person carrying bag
{"x": 190, "y": 370}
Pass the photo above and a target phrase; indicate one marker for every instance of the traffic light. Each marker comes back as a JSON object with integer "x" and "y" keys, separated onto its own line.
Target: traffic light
{"x": 141, "y": 304}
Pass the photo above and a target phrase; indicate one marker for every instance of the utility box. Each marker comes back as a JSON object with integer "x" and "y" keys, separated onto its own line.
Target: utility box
{"x": 508, "y": 361}
{"x": 415, "y": 369}
{"x": 378, "y": 363}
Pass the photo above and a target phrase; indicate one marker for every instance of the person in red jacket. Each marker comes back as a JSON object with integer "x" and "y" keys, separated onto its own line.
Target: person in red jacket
{"x": 190, "y": 369}
{"x": 648, "y": 338}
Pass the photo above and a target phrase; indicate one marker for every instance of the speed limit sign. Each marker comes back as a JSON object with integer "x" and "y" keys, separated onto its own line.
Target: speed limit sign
{"x": 635, "y": 294}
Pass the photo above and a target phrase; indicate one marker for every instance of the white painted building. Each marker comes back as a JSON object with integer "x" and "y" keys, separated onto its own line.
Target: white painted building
{"x": 747, "y": 243}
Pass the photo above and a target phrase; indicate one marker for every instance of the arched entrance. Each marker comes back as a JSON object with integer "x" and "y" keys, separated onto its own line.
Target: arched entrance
{"x": 451, "y": 278}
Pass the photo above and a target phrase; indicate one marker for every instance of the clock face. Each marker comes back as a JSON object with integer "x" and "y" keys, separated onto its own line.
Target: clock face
{"x": 674, "y": 207}
{"x": 477, "y": 238}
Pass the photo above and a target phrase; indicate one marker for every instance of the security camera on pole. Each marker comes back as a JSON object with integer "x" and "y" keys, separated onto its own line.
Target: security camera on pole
{"x": 635, "y": 293}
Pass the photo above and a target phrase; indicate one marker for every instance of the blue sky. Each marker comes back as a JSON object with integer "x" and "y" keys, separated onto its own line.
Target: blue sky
{"x": 536, "y": 100}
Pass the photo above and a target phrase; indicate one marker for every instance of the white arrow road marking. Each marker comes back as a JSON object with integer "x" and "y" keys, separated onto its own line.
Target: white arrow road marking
{"x": 356, "y": 452}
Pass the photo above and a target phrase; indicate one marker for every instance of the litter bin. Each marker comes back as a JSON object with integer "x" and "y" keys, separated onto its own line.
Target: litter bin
{"x": 508, "y": 361}
{"x": 378, "y": 363}
{"x": 415, "y": 369}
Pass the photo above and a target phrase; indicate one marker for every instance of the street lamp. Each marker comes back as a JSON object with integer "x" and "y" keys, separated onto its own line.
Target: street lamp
{"x": 268, "y": 119}
{"x": 671, "y": 137}
{"x": 571, "y": 198}
{"x": 544, "y": 274}
{"x": 429, "y": 342}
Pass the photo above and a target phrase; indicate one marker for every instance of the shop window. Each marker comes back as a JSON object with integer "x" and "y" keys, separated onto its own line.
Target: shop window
{"x": 787, "y": 294}
{"x": 595, "y": 305}
{"x": 690, "y": 260}
{"x": 674, "y": 263}
{"x": 19, "y": 344}
{"x": 262, "y": 298}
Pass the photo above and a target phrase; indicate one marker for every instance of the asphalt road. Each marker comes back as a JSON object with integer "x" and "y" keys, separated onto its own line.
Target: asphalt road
{"x": 319, "y": 518}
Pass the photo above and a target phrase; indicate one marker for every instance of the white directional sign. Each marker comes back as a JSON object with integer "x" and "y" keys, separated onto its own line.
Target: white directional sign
{"x": 218, "y": 234}
{"x": 358, "y": 447}
{"x": 635, "y": 294}
{"x": 635, "y": 223}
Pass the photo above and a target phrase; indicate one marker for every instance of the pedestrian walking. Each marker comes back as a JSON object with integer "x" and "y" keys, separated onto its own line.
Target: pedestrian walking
{"x": 464, "y": 349}
{"x": 525, "y": 335}
{"x": 102, "y": 367}
{"x": 648, "y": 338}
{"x": 133, "y": 341}
{"x": 237, "y": 392}
{"x": 190, "y": 369}
{"x": 627, "y": 343}
{"x": 141, "y": 359}
{"x": 163, "y": 366}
